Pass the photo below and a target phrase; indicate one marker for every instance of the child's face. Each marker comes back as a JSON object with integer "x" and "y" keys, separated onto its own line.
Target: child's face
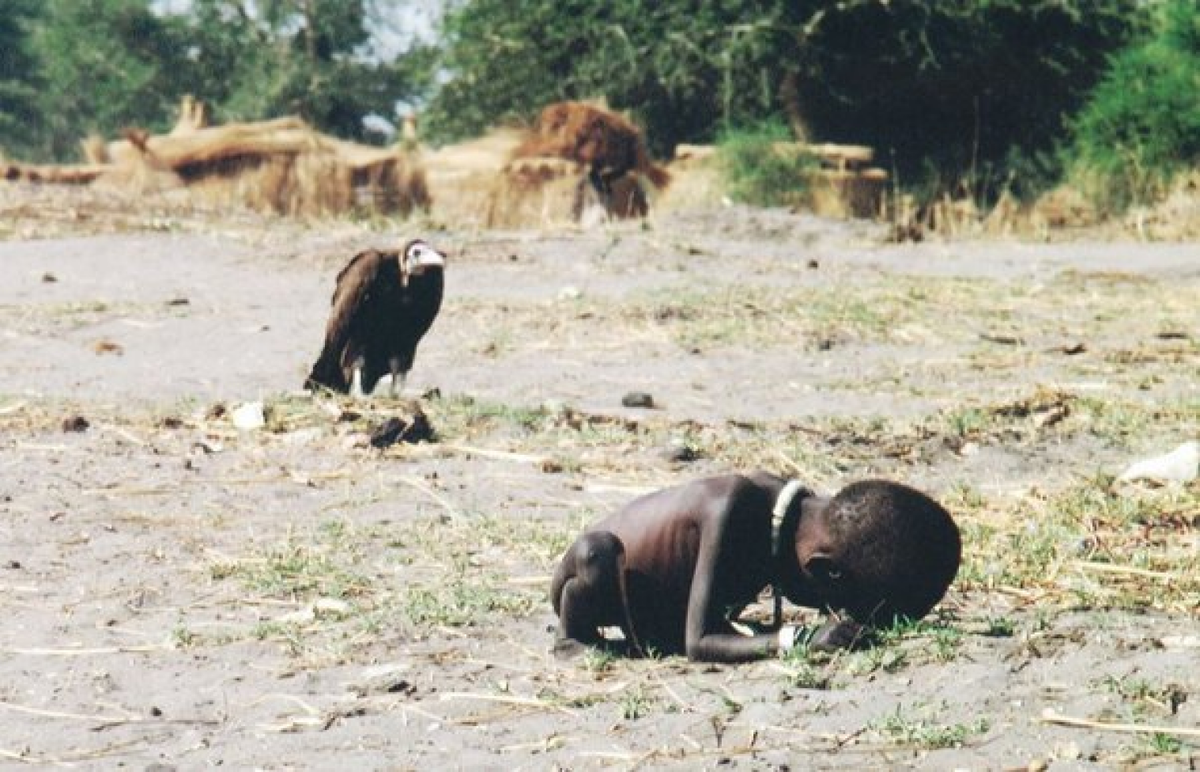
{"x": 832, "y": 573}
{"x": 823, "y": 579}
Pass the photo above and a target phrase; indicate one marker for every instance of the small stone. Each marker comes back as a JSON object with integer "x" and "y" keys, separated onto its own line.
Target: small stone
{"x": 411, "y": 429}
{"x": 968, "y": 449}
{"x": 331, "y": 608}
{"x": 75, "y": 423}
{"x": 680, "y": 453}
{"x": 640, "y": 399}
{"x": 388, "y": 433}
{"x": 383, "y": 679}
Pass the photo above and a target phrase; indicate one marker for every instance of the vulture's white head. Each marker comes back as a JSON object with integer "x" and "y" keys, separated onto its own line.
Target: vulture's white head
{"x": 418, "y": 257}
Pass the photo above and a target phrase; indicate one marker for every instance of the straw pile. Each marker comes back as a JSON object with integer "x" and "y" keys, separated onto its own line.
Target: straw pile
{"x": 282, "y": 166}
{"x": 578, "y": 163}
{"x": 461, "y": 177}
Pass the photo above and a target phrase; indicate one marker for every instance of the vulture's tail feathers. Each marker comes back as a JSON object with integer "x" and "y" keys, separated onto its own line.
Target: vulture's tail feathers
{"x": 326, "y": 373}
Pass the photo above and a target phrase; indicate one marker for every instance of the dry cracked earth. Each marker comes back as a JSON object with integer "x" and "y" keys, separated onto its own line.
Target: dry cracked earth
{"x": 181, "y": 593}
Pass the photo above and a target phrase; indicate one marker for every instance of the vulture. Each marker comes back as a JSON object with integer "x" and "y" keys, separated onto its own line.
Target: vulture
{"x": 382, "y": 304}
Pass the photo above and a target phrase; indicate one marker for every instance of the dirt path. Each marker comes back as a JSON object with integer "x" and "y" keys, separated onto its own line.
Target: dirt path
{"x": 184, "y": 594}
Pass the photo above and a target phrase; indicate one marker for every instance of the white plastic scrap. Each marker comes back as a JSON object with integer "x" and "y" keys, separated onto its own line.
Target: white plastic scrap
{"x": 1178, "y": 467}
{"x": 249, "y": 416}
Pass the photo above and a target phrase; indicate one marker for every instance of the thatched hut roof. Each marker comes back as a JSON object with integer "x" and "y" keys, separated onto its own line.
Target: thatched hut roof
{"x": 281, "y": 165}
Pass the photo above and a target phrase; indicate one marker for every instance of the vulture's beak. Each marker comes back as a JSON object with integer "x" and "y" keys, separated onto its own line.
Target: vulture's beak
{"x": 426, "y": 258}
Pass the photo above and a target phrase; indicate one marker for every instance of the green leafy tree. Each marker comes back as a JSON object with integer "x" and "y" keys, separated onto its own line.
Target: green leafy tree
{"x": 20, "y": 114}
{"x": 947, "y": 90}
{"x": 97, "y": 66}
{"x": 1142, "y": 124}
{"x": 681, "y": 67}
{"x": 301, "y": 57}
{"x": 954, "y": 92}
{"x": 106, "y": 64}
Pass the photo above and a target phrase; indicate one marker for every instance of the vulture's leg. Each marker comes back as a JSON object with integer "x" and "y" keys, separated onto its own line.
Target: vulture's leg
{"x": 396, "y": 387}
{"x": 356, "y": 389}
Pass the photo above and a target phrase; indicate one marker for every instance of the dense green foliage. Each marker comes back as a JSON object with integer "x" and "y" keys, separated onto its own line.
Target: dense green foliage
{"x": 758, "y": 173}
{"x": 681, "y": 67}
{"x": 974, "y": 96}
{"x": 18, "y": 86}
{"x": 957, "y": 92}
{"x": 297, "y": 57}
{"x": 953, "y": 89}
{"x": 1142, "y": 124}
{"x": 106, "y": 64}
{"x": 74, "y": 67}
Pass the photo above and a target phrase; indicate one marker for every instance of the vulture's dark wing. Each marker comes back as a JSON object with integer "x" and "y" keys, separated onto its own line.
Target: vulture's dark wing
{"x": 354, "y": 284}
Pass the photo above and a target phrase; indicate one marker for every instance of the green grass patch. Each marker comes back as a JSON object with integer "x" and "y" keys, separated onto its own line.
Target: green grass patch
{"x": 911, "y": 731}
{"x": 758, "y": 169}
{"x": 300, "y": 568}
{"x": 1141, "y": 125}
{"x": 469, "y": 601}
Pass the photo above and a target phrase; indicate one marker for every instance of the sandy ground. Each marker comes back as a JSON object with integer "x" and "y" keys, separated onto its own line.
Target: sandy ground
{"x": 178, "y": 593}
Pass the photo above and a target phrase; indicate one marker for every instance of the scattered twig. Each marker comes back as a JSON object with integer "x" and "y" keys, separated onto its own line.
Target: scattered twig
{"x": 124, "y": 434}
{"x": 611, "y": 755}
{"x": 43, "y": 446}
{"x": 1109, "y": 568}
{"x": 500, "y": 455}
{"x": 500, "y": 665}
{"x": 632, "y": 490}
{"x": 85, "y": 755}
{"x": 1050, "y": 716}
{"x": 132, "y": 490}
{"x": 71, "y": 716}
{"x": 684, "y": 706}
{"x": 304, "y": 706}
{"x": 423, "y": 713}
{"x": 789, "y": 463}
{"x": 539, "y": 580}
{"x": 545, "y": 744}
{"x": 84, "y": 652}
{"x": 105, "y": 721}
{"x": 1003, "y": 340}
{"x": 532, "y": 702}
{"x": 431, "y": 493}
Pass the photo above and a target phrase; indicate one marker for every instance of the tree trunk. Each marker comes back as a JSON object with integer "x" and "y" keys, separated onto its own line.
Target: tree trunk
{"x": 310, "y": 33}
{"x": 789, "y": 97}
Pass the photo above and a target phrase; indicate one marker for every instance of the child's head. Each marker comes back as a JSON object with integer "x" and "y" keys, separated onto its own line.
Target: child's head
{"x": 878, "y": 550}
